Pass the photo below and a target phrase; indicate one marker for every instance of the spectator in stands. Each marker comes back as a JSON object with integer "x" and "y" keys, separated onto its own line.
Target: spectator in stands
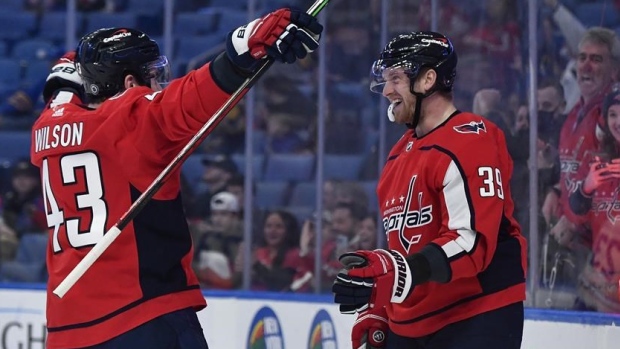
{"x": 275, "y": 260}
{"x": 596, "y": 202}
{"x": 349, "y": 50}
{"x": 572, "y": 31}
{"x": 455, "y": 23}
{"x": 229, "y": 135}
{"x": 303, "y": 280}
{"x": 366, "y": 236}
{"x": 24, "y": 210}
{"x": 346, "y": 218}
{"x": 597, "y": 67}
{"x": 218, "y": 170}
{"x": 498, "y": 37}
{"x": 551, "y": 117}
{"x": 236, "y": 186}
{"x": 284, "y": 112}
{"x": 8, "y": 240}
{"x": 218, "y": 240}
{"x": 18, "y": 111}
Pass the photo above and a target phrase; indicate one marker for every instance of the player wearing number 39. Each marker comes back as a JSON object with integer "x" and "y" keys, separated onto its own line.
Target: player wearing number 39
{"x": 454, "y": 274}
{"x": 95, "y": 160}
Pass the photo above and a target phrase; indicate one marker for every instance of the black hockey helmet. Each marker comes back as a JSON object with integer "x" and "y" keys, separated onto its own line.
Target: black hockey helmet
{"x": 105, "y": 56}
{"x": 414, "y": 51}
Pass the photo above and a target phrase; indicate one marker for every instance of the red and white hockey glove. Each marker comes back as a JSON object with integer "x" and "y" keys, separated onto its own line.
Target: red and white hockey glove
{"x": 63, "y": 76}
{"x": 285, "y": 35}
{"x": 372, "y": 279}
{"x": 370, "y": 329}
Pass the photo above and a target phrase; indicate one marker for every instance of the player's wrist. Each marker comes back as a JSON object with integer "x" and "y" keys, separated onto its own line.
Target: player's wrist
{"x": 226, "y": 74}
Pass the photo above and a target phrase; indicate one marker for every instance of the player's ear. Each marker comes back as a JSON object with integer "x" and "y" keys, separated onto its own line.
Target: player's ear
{"x": 130, "y": 81}
{"x": 429, "y": 78}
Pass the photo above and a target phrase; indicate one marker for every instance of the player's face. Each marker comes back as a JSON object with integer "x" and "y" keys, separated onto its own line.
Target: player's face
{"x": 274, "y": 230}
{"x": 613, "y": 121}
{"x": 396, "y": 90}
{"x": 595, "y": 69}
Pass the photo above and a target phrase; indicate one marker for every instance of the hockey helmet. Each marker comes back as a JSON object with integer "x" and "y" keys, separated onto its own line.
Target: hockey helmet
{"x": 412, "y": 52}
{"x": 105, "y": 56}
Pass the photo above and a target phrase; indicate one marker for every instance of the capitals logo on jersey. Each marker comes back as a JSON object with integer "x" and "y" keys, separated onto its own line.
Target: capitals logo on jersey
{"x": 471, "y": 127}
{"x": 399, "y": 217}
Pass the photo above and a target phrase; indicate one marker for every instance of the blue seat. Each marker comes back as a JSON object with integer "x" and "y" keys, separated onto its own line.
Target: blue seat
{"x": 270, "y": 194}
{"x": 342, "y": 166}
{"x": 229, "y": 4}
{"x": 29, "y": 263}
{"x": 289, "y": 167}
{"x": 3, "y": 50}
{"x": 192, "y": 169}
{"x": 597, "y": 14}
{"x": 303, "y": 194}
{"x": 17, "y": 25}
{"x": 370, "y": 188}
{"x": 192, "y": 24}
{"x": 36, "y": 71}
{"x": 11, "y": 5}
{"x": 258, "y": 162}
{"x": 9, "y": 72}
{"x": 231, "y": 19}
{"x": 53, "y": 25}
{"x": 14, "y": 144}
{"x": 302, "y": 213}
{"x": 146, "y": 7}
{"x": 34, "y": 49}
{"x": 5, "y": 174}
{"x": 190, "y": 47}
{"x": 98, "y": 20}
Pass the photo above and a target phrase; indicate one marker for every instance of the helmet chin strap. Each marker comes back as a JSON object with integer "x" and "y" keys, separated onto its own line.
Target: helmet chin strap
{"x": 418, "y": 106}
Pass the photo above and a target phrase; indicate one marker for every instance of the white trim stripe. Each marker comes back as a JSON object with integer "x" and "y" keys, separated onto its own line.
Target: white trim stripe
{"x": 459, "y": 216}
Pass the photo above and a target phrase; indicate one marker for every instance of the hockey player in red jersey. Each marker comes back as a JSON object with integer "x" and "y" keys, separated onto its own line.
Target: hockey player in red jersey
{"x": 96, "y": 160}
{"x": 454, "y": 274}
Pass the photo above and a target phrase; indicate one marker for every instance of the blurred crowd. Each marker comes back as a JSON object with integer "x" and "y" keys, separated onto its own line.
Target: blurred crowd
{"x": 578, "y": 149}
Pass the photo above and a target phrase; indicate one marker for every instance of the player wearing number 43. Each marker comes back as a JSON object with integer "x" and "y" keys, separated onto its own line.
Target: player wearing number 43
{"x": 454, "y": 274}
{"x": 96, "y": 160}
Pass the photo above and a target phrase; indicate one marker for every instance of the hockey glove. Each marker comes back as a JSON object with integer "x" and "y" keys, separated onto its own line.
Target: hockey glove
{"x": 63, "y": 76}
{"x": 285, "y": 35}
{"x": 372, "y": 279}
{"x": 370, "y": 329}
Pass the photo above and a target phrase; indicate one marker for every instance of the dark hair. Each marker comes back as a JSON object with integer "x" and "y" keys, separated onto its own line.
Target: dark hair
{"x": 357, "y": 211}
{"x": 554, "y": 83}
{"x": 291, "y": 235}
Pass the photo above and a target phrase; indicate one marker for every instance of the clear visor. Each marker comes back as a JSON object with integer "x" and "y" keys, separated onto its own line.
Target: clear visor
{"x": 157, "y": 72}
{"x": 385, "y": 70}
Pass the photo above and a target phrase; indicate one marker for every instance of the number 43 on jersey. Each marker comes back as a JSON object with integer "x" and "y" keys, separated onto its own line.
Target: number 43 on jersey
{"x": 90, "y": 200}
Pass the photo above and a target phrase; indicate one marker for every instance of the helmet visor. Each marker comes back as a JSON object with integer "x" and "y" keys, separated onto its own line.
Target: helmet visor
{"x": 384, "y": 70}
{"x": 157, "y": 72}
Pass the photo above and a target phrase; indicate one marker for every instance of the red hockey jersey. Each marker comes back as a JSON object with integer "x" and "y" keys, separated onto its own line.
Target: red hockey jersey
{"x": 577, "y": 138}
{"x": 450, "y": 189}
{"x": 94, "y": 164}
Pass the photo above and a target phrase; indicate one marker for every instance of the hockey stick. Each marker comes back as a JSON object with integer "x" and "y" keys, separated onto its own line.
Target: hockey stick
{"x": 157, "y": 183}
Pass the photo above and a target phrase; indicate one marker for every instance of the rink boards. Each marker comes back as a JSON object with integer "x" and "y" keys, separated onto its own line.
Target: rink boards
{"x": 278, "y": 321}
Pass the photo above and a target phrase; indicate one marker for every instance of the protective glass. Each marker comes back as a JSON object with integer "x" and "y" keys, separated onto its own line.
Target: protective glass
{"x": 157, "y": 72}
{"x": 385, "y": 69}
